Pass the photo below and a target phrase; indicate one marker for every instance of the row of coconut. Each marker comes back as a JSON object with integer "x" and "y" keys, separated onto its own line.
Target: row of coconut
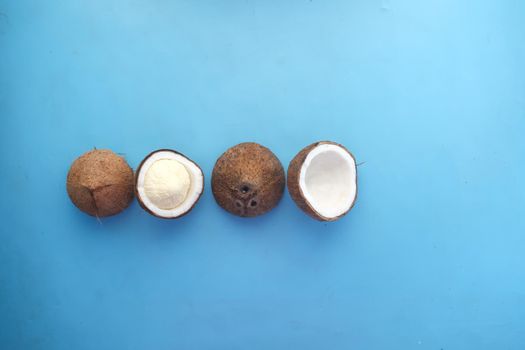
{"x": 247, "y": 180}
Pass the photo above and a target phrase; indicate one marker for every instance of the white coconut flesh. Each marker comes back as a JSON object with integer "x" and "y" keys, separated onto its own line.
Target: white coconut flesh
{"x": 328, "y": 180}
{"x": 168, "y": 184}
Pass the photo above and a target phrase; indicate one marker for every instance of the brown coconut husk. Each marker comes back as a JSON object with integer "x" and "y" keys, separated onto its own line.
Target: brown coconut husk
{"x": 100, "y": 183}
{"x": 248, "y": 180}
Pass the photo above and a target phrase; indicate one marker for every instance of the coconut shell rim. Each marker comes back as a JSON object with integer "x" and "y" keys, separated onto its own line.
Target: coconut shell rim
{"x": 137, "y": 195}
{"x": 314, "y": 213}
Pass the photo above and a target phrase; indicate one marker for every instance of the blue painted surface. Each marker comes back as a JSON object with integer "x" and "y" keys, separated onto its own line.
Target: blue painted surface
{"x": 430, "y": 94}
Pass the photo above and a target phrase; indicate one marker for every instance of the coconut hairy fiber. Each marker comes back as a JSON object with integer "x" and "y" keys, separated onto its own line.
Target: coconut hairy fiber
{"x": 248, "y": 180}
{"x": 100, "y": 183}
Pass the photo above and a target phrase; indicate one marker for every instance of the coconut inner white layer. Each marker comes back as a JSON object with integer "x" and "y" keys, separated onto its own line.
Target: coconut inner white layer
{"x": 328, "y": 180}
{"x": 169, "y": 184}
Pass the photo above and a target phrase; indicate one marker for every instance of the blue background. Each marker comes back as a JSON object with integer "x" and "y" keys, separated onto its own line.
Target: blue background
{"x": 429, "y": 94}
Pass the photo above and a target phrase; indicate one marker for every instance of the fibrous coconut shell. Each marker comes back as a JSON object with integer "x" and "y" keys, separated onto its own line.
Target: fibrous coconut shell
{"x": 248, "y": 180}
{"x": 100, "y": 183}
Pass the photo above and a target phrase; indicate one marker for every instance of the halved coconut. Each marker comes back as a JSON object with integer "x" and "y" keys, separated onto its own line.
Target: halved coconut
{"x": 168, "y": 184}
{"x": 322, "y": 180}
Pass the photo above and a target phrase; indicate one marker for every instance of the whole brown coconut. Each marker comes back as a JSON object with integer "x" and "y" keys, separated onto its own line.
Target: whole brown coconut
{"x": 248, "y": 180}
{"x": 100, "y": 183}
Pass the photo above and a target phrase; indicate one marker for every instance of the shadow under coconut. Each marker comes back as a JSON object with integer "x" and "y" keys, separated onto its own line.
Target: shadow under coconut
{"x": 166, "y": 230}
{"x": 288, "y": 220}
{"x": 250, "y": 224}
{"x": 302, "y": 224}
{"x": 107, "y": 223}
